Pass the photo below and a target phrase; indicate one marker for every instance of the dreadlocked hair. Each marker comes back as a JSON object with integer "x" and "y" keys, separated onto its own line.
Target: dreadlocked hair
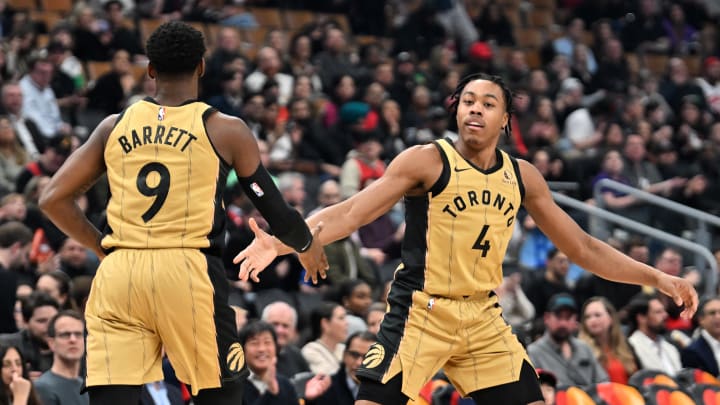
{"x": 507, "y": 95}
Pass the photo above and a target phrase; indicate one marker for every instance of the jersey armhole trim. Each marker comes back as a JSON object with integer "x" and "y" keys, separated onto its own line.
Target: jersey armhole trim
{"x": 444, "y": 178}
{"x": 521, "y": 184}
{"x": 119, "y": 117}
{"x": 206, "y": 114}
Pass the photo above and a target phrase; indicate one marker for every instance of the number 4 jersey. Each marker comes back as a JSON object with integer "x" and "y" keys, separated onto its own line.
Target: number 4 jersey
{"x": 457, "y": 234}
{"x": 166, "y": 180}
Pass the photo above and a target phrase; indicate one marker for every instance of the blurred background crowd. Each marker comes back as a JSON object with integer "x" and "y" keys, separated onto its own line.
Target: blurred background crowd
{"x": 334, "y": 90}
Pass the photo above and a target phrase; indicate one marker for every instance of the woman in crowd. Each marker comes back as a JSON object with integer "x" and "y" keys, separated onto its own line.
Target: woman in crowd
{"x": 58, "y": 285}
{"x": 600, "y": 329}
{"x": 16, "y": 386}
{"x": 375, "y": 315}
{"x": 13, "y": 156}
{"x": 356, "y": 297}
{"x": 329, "y": 330}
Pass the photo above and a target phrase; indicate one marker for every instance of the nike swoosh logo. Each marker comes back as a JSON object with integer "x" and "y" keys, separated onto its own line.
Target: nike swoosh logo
{"x": 461, "y": 170}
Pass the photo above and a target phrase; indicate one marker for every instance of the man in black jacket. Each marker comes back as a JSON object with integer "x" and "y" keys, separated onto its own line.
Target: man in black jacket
{"x": 264, "y": 385}
{"x": 37, "y": 310}
{"x": 702, "y": 352}
{"x": 15, "y": 239}
{"x": 345, "y": 384}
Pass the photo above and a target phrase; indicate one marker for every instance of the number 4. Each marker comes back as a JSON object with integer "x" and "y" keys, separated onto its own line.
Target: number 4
{"x": 481, "y": 243}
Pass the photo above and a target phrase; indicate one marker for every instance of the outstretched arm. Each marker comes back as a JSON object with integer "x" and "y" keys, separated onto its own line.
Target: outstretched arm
{"x": 237, "y": 145}
{"x": 79, "y": 172}
{"x": 413, "y": 171}
{"x": 591, "y": 253}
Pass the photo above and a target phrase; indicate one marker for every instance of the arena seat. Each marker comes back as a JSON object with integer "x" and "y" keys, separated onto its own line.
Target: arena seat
{"x": 689, "y": 377}
{"x": 643, "y": 378}
{"x": 706, "y": 394}
{"x": 618, "y": 394}
{"x": 664, "y": 395}
{"x": 573, "y": 396}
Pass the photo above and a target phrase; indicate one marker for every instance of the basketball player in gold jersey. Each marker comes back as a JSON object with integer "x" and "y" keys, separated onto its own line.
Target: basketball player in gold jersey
{"x": 162, "y": 283}
{"x": 461, "y": 201}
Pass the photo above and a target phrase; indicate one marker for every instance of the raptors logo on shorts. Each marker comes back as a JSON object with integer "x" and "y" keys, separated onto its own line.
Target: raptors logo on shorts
{"x": 235, "y": 358}
{"x": 374, "y": 356}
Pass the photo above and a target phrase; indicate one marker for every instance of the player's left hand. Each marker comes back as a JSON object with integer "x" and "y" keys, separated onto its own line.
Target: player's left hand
{"x": 682, "y": 293}
{"x": 314, "y": 260}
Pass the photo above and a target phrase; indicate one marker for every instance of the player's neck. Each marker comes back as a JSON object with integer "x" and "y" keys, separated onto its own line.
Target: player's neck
{"x": 484, "y": 158}
{"x": 172, "y": 93}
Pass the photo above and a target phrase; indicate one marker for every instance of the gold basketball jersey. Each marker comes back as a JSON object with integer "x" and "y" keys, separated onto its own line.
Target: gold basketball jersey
{"x": 457, "y": 234}
{"x": 166, "y": 180}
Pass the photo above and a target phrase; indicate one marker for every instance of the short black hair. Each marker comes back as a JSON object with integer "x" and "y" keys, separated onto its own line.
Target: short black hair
{"x": 64, "y": 281}
{"x": 703, "y": 303}
{"x": 347, "y": 287}
{"x": 69, "y": 313}
{"x": 34, "y": 301}
{"x": 507, "y": 95}
{"x": 362, "y": 335}
{"x": 552, "y": 253}
{"x": 14, "y": 232}
{"x": 175, "y": 48}
{"x": 255, "y": 328}
{"x": 638, "y": 305}
{"x": 110, "y": 3}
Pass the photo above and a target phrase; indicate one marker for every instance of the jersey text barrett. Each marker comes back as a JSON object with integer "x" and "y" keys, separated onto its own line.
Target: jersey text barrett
{"x": 175, "y": 137}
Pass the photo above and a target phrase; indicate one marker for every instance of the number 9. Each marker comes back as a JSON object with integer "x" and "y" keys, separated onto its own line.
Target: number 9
{"x": 160, "y": 191}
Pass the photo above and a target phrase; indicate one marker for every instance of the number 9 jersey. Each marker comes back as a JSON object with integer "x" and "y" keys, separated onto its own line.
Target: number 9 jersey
{"x": 166, "y": 180}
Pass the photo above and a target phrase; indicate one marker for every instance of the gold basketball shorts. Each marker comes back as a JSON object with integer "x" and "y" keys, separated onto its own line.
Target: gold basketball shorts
{"x": 144, "y": 300}
{"x": 466, "y": 337}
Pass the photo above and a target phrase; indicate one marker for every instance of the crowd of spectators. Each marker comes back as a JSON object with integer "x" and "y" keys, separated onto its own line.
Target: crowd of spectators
{"x": 332, "y": 100}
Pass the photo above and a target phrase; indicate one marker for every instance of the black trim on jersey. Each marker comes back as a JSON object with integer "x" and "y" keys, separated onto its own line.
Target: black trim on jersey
{"x": 497, "y": 166}
{"x": 104, "y": 225}
{"x": 226, "y": 333}
{"x": 105, "y": 229}
{"x": 119, "y": 117}
{"x": 206, "y": 114}
{"x": 444, "y": 178}
{"x": 414, "y": 246}
{"x": 117, "y": 121}
{"x": 498, "y": 160}
{"x": 186, "y": 102}
{"x": 521, "y": 185}
{"x": 217, "y": 231}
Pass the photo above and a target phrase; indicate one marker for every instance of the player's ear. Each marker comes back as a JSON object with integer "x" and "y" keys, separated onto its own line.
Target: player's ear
{"x": 201, "y": 67}
{"x": 151, "y": 71}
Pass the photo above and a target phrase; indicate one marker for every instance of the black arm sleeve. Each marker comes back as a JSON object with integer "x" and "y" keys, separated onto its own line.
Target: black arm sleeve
{"x": 286, "y": 223}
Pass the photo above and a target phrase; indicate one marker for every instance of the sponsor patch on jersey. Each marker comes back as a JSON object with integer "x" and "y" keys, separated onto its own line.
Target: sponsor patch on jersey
{"x": 257, "y": 190}
{"x": 508, "y": 178}
{"x": 161, "y": 113}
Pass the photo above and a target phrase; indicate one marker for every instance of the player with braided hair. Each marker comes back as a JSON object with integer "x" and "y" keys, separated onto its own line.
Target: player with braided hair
{"x": 461, "y": 200}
